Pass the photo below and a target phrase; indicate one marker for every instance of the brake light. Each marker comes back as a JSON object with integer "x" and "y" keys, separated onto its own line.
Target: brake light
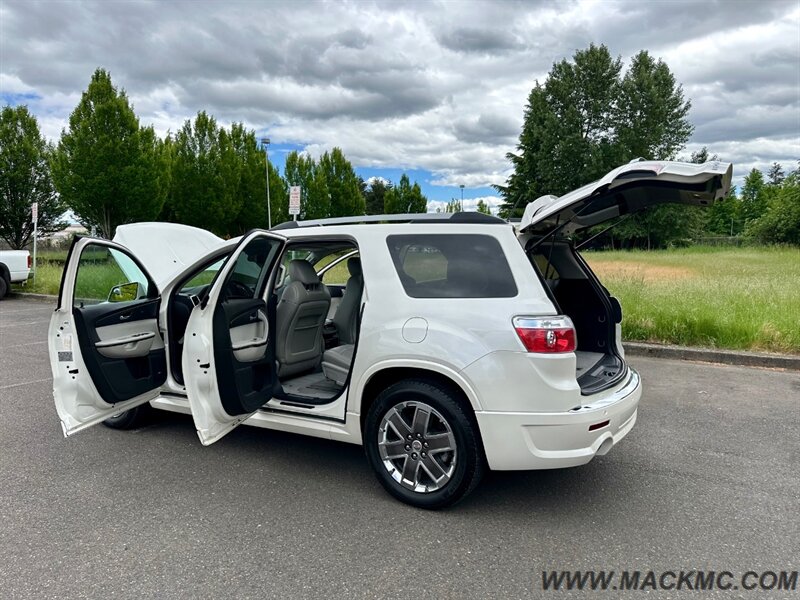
{"x": 548, "y": 335}
{"x": 30, "y": 261}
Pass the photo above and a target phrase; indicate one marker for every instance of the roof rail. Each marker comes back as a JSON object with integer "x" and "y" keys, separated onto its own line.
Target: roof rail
{"x": 459, "y": 217}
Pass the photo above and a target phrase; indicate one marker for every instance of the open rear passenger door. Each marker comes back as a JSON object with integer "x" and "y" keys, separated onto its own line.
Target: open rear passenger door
{"x": 229, "y": 364}
{"x": 106, "y": 350}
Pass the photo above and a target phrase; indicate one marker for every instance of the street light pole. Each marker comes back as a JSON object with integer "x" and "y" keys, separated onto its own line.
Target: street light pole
{"x": 462, "y": 197}
{"x": 265, "y": 143}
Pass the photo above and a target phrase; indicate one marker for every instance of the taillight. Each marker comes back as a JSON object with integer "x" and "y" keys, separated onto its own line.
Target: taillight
{"x": 546, "y": 334}
{"x": 30, "y": 261}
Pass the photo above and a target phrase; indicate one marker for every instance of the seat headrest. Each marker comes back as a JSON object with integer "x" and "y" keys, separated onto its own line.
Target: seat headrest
{"x": 302, "y": 271}
{"x": 354, "y": 266}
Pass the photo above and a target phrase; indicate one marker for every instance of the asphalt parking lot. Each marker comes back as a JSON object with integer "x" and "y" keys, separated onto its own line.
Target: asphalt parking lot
{"x": 707, "y": 479}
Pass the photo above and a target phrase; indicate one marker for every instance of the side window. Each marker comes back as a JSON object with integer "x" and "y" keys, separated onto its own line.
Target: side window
{"x": 108, "y": 275}
{"x": 545, "y": 267}
{"x": 337, "y": 274}
{"x": 451, "y": 266}
{"x": 245, "y": 280}
{"x": 201, "y": 279}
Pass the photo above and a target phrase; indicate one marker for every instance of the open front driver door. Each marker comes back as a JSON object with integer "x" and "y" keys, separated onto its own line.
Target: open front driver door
{"x": 106, "y": 350}
{"x": 229, "y": 347}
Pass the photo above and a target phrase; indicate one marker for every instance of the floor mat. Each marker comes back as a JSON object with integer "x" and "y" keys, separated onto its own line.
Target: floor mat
{"x": 313, "y": 385}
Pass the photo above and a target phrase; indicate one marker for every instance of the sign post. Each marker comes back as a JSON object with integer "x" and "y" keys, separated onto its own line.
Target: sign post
{"x": 35, "y": 219}
{"x": 294, "y": 201}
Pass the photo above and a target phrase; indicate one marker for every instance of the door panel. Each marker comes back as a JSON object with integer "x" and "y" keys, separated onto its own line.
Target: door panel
{"x": 106, "y": 355}
{"x": 121, "y": 372}
{"x": 244, "y": 386}
{"x": 228, "y": 360}
{"x": 249, "y": 334}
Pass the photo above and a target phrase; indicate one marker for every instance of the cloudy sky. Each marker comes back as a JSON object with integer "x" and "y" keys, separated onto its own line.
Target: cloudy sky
{"x": 436, "y": 89}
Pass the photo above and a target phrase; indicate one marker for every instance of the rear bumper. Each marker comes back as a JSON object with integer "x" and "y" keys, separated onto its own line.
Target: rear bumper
{"x": 525, "y": 440}
{"x": 19, "y": 276}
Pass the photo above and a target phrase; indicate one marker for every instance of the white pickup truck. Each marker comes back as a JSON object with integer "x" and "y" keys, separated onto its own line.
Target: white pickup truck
{"x": 15, "y": 266}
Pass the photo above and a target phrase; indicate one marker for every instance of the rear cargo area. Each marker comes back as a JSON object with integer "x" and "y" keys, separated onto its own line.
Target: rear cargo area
{"x": 578, "y": 294}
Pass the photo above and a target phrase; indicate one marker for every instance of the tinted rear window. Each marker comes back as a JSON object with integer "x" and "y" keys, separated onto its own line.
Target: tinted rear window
{"x": 451, "y": 266}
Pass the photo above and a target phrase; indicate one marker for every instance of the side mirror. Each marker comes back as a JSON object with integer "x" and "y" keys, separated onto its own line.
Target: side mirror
{"x": 124, "y": 292}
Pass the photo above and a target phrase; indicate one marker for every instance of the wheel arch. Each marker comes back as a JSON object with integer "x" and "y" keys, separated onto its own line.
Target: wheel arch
{"x": 385, "y": 375}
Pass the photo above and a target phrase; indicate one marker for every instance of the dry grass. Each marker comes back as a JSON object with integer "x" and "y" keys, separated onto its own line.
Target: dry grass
{"x": 739, "y": 298}
{"x": 645, "y": 272}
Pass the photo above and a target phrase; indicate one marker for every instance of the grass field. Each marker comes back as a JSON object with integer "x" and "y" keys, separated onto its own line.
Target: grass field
{"x": 739, "y": 298}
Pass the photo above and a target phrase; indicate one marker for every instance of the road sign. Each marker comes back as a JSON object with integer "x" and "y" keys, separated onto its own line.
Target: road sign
{"x": 294, "y": 200}
{"x": 35, "y": 212}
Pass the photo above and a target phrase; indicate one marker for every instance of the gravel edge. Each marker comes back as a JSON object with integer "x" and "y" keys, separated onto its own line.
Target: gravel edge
{"x": 715, "y": 355}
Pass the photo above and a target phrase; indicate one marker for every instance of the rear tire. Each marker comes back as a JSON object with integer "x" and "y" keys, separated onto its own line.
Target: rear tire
{"x": 3, "y": 287}
{"x": 441, "y": 462}
{"x": 129, "y": 419}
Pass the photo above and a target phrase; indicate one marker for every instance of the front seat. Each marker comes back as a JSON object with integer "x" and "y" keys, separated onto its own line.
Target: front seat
{"x": 346, "y": 317}
{"x": 301, "y": 315}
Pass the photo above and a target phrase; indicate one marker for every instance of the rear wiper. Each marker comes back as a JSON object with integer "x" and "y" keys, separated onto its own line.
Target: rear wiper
{"x": 614, "y": 224}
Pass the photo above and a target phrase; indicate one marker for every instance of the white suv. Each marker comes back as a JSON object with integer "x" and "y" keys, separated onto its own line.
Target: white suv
{"x": 442, "y": 343}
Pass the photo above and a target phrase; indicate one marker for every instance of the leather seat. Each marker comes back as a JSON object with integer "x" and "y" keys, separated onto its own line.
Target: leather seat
{"x": 336, "y": 362}
{"x": 300, "y": 317}
{"x": 346, "y": 317}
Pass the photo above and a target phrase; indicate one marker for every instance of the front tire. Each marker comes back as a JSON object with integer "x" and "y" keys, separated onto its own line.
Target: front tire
{"x": 422, "y": 445}
{"x": 129, "y": 419}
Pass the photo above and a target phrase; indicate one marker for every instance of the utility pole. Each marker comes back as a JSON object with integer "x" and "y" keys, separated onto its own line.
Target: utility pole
{"x": 35, "y": 217}
{"x": 462, "y": 197}
{"x": 265, "y": 143}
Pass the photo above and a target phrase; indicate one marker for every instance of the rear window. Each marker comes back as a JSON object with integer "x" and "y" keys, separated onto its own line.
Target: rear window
{"x": 451, "y": 266}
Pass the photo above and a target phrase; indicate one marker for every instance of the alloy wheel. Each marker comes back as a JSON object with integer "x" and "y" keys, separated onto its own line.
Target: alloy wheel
{"x": 417, "y": 446}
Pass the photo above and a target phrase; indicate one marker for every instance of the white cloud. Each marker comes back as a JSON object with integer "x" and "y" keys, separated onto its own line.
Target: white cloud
{"x": 433, "y": 86}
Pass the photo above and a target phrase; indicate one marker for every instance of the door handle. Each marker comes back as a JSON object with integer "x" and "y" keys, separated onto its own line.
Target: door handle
{"x": 125, "y": 317}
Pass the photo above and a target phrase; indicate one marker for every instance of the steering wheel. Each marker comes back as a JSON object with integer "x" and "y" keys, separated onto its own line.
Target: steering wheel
{"x": 236, "y": 289}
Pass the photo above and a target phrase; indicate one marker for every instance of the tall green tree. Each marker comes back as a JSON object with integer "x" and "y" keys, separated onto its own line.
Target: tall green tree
{"x": 753, "y": 196}
{"x": 651, "y": 120}
{"x": 405, "y": 198}
{"x": 107, "y": 168}
{"x": 206, "y": 174}
{"x": 587, "y": 118}
{"x": 483, "y": 207}
{"x": 278, "y": 196}
{"x": 780, "y": 222}
{"x": 453, "y": 206}
{"x": 374, "y": 195}
{"x": 528, "y": 181}
{"x": 346, "y": 198}
{"x": 723, "y": 217}
{"x": 776, "y": 174}
{"x": 251, "y": 165}
{"x": 302, "y": 170}
{"x": 567, "y": 137}
{"x": 25, "y": 178}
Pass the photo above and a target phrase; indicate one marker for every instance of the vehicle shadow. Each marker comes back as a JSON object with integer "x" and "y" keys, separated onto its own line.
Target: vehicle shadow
{"x": 604, "y": 484}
